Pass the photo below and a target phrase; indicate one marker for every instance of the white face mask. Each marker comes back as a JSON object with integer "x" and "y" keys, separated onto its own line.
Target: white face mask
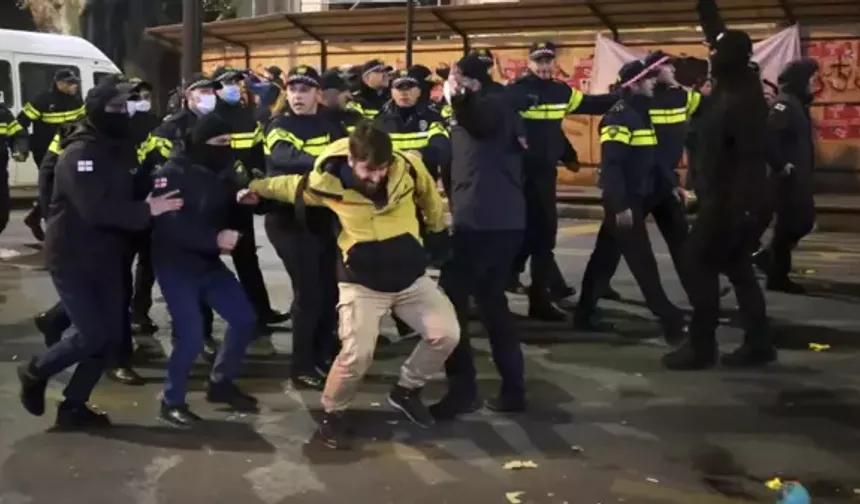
{"x": 131, "y": 107}
{"x": 144, "y": 106}
{"x": 205, "y": 103}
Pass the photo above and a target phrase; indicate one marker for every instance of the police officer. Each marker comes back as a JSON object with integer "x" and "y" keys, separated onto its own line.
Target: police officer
{"x": 488, "y": 222}
{"x": 544, "y": 103}
{"x": 335, "y": 97}
{"x": 304, "y": 237}
{"x": 373, "y": 92}
{"x": 733, "y": 173}
{"x": 86, "y": 252}
{"x": 186, "y": 250}
{"x": 793, "y": 163}
{"x": 14, "y": 139}
{"x": 248, "y": 147}
{"x": 50, "y": 109}
{"x": 628, "y": 174}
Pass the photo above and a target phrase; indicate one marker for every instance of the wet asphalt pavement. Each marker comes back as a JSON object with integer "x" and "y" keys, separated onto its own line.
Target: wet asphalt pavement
{"x": 606, "y": 423}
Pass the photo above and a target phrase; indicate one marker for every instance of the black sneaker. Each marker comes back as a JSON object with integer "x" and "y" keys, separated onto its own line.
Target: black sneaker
{"x": 177, "y": 416}
{"x": 275, "y": 317}
{"x": 73, "y": 416}
{"x": 33, "y": 388}
{"x": 308, "y": 380}
{"x": 688, "y": 358}
{"x": 454, "y": 404}
{"x": 228, "y": 393}
{"x": 505, "y": 404}
{"x": 49, "y": 333}
{"x": 333, "y": 431}
{"x": 409, "y": 402}
{"x": 33, "y": 221}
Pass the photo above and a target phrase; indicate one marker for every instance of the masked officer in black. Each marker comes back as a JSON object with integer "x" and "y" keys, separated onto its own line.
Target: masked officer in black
{"x": 373, "y": 92}
{"x": 543, "y": 104}
{"x": 59, "y": 105}
{"x": 628, "y": 174}
{"x": 13, "y": 138}
{"x": 186, "y": 250}
{"x": 335, "y": 97}
{"x": 793, "y": 164}
{"x": 733, "y": 173}
{"x": 86, "y": 250}
{"x": 488, "y": 222}
{"x": 304, "y": 237}
{"x": 248, "y": 146}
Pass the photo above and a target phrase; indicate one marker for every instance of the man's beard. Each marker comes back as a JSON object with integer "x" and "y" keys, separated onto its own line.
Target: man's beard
{"x": 370, "y": 190}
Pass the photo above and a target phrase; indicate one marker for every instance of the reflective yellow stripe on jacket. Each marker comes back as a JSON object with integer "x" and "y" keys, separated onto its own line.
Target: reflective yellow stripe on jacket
{"x": 53, "y": 117}
{"x": 677, "y": 115}
{"x": 10, "y": 129}
{"x": 694, "y": 99}
{"x": 55, "y": 146}
{"x": 447, "y": 111}
{"x": 366, "y": 112}
{"x": 164, "y": 146}
{"x": 626, "y": 136}
{"x": 417, "y": 139}
{"x": 313, "y": 146}
{"x": 554, "y": 111}
{"x": 246, "y": 140}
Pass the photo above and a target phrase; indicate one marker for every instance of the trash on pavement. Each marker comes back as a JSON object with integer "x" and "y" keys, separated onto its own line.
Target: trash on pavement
{"x": 514, "y": 465}
{"x": 818, "y": 347}
{"x": 514, "y": 497}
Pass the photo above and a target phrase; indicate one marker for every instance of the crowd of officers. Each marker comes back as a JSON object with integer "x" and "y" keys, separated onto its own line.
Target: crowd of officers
{"x": 345, "y": 167}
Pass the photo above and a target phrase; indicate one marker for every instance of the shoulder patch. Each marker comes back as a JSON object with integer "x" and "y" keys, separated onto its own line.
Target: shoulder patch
{"x": 85, "y": 165}
{"x": 779, "y": 107}
{"x": 160, "y": 183}
{"x": 422, "y": 125}
{"x": 618, "y": 107}
{"x": 612, "y": 131}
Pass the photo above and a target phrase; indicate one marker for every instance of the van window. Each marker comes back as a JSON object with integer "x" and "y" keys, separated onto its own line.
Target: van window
{"x": 98, "y": 76}
{"x": 7, "y": 95}
{"x": 38, "y": 77}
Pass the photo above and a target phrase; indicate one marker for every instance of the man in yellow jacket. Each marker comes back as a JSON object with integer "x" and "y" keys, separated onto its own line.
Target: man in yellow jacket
{"x": 375, "y": 192}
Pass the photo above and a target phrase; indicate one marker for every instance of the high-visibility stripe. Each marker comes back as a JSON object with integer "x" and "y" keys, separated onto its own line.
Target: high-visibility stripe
{"x": 10, "y": 129}
{"x": 312, "y": 146}
{"x": 31, "y": 112}
{"x": 624, "y": 135}
{"x": 668, "y": 116}
{"x": 417, "y": 139}
{"x": 694, "y": 99}
{"x": 575, "y": 100}
{"x": 546, "y": 111}
{"x": 54, "y": 146}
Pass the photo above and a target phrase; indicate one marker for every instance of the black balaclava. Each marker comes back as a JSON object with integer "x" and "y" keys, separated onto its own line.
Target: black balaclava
{"x": 214, "y": 157}
{"x": 117, "y": 124}
{"x": 471, "y": 66}
{"x": 731, "y": 54}
{"x": 794, "y": 79}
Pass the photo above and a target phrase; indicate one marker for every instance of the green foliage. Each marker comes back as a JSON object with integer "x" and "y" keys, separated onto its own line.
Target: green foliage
{"x": 218, "y": 9}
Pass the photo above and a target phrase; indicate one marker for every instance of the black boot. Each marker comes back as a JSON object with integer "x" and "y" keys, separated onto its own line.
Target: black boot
{"x": 408, "y": 401}
{"x": 177, "y": 416}
{"x": 690, "y": 358}
{"x": 228, "y": 393}
{"x": 275, "y": 317}
{"x": 542, "y": 308}
{"x": 611, "y": 294}
{"x": 33, "y": 389}
{"x": 515, "y": 286}
{"x": 33, "y": 221}
{"x": 457, "y": 401}
{"x": 504, "y": 404}
{"x": 125, "y": 375}
{"x": 73, "y": 416}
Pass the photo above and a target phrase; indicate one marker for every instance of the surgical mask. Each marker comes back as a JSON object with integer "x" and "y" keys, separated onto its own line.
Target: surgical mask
{"x": 143, "y": 105}
{"x": 230, "y": 94}
{"x": 131, "y": 107}
{"x": 205, "y": 104}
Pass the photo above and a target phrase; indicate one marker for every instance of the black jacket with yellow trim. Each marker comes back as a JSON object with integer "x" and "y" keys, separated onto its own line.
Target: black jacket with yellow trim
{"x": 671, "y": 110}
{"x": 47, "y": 112}
{"x": 380, "y": 241}
{"x": 247, "y": 137}
{"x": 293, "y": 143}
{"x": 628, "y": 142}
{"x": 368, "y": 102}
{"x": 13, "y": 136}
{"x": 417, "y": 128}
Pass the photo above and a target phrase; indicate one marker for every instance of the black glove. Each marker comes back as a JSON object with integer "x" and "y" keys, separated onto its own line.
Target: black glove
{"x": 438, "y": 246}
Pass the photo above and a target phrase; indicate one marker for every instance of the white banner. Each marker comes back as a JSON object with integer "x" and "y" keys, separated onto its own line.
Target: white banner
{"x": 772, "y": 54}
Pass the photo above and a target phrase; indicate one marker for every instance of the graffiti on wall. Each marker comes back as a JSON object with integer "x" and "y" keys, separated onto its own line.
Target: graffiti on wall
{"x": 837, "y": 87}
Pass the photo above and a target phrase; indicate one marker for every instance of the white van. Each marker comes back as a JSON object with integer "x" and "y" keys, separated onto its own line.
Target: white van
{"x": 28, "y": 61}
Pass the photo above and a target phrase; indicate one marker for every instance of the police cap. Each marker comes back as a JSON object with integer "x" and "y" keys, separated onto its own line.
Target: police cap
{"x": 484, "y": 55}
{"x": 333, "y": 79}
{"x": 224, "y": 74}
{"x": 375, "y": 65}
{"x": 114, "y": 94}
{"x": 67, "y": 75}
{"x": 201, "y": 81}
{"x": 407, "y": 78}
{"x": 303, "y": 74}
{"x": 634, "y": 71}
{"x": 542, "y": 50}
{"x": 471, "y": 66}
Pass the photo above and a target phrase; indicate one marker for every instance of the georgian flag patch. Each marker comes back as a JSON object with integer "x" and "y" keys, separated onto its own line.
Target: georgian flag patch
{"x": 85, "y": 165}
{"x": 160, "y": 183}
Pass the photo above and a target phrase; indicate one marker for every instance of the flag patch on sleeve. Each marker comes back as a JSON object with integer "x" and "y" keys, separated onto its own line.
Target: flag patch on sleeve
{"x": 85, "y": 165}
{"x": 160, "y": 183}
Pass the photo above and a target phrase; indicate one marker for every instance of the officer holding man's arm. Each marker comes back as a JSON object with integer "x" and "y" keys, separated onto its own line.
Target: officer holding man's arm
{"x": 86, "y": 248}
{"x": 628, "y": 174}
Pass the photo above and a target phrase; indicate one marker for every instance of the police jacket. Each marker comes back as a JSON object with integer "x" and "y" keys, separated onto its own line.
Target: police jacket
{"x": 293, "y": 143}
{"x": 791, "y": 129}
{"x": 47, "y": 112}
{"x": 628, "y": 144}
{"x": 247, "y": 137}
{"x": 12, "y": 136}
{"x": 543, "y": 104}
{"x": 420, "y": 129}
{"x": 486, "y": 185}
{"x": 368, "y": 102}
{"x": 188, "y": 238}
{"x": 671, "y": 110}
{"x": 731, "y": 150}
{"x": 380, "y": 242}
{"x": 345, "y": 117}
{"x": 93, "y": 211}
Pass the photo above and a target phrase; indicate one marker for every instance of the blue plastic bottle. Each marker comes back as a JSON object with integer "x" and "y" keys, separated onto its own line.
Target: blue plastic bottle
{"x": 793, "y": 493}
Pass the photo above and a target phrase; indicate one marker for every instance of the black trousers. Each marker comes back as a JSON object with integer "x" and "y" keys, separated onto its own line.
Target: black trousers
{"x": 144, "y": 279}
{"x": 479, "y": 268}
{"x": 311, "y": 261}
{"x": 721, "y": 245}
{"x": 635, "y": 246}
{"x": 671, "y": 220}
{"x": 5, "y": 197}
{"x": 795, "y": 218}
{"x": 541, "y": 230}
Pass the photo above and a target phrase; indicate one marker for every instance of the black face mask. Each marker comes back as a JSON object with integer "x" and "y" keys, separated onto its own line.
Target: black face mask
{"x": 113, "y": 125}
{"x": 214, "y": 157}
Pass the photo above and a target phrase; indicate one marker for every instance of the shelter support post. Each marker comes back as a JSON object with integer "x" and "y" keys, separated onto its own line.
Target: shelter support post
{"x": 603, "y": 18}
{"x": 192, "y": 38}
{"x": 455, "y": 29}
{"x": 410, "y": 22}
{"x": 321, "y": 41}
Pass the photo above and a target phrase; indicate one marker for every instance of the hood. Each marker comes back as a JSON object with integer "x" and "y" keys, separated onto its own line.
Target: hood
{"x": 83, "y": 131}
{"x": 794, "y": 78}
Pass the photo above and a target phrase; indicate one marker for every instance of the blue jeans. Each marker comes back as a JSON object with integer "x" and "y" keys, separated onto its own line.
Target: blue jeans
{"x": 184, "y": 291}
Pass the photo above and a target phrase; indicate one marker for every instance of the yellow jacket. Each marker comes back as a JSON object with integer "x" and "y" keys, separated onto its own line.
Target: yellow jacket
{"x": 380, "y": 244}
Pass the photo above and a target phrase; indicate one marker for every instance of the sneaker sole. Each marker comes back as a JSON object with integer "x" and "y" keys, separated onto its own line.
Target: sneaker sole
{"x": 411, "y": 418}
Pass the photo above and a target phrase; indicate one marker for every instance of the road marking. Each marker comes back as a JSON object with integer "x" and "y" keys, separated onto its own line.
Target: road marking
{"x": 579, "y": 229}
{"x": 422, "y": 467}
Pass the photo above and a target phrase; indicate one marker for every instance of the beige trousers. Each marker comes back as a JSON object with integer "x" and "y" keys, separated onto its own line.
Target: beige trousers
{"x": 360, "y": 310}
